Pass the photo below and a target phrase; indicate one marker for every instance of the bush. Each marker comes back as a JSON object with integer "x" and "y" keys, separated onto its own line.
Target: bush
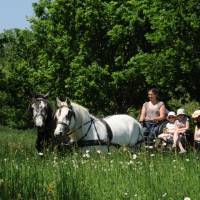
{"x": 189, "y": 106}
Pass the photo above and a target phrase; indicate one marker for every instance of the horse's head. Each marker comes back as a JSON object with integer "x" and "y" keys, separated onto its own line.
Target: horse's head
{"x": 39, "y": 107}
{"x": 64, "y": 116}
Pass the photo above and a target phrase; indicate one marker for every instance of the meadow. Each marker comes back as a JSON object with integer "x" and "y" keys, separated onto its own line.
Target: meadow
{"x": 120, "y": 174}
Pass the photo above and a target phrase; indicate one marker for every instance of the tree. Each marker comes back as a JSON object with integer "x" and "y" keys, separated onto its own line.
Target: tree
{"x": 103, "y": 54}
{"x": 16, "y": 61}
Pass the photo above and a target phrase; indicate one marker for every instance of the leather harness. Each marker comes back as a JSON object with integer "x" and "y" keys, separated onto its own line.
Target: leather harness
{"x": 82, "y": 142}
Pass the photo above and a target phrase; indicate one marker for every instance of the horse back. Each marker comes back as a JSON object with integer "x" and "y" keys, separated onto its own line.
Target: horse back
{"x": 126, "y": 130}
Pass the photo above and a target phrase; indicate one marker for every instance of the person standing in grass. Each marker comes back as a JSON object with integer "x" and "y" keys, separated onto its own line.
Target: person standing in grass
{"x": 182, "y": 125}
{"x": 196, "y": 118}
{"x": 152, "y": 114}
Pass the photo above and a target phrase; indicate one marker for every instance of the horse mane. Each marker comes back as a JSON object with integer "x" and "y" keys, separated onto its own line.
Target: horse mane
{"x": 82, "y": 113}
{"x": 50, "y": 113}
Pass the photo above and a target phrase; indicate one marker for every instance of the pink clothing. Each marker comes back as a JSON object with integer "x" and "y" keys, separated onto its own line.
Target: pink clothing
{"x": 197, "y": 134}
{"x": 182, "y": 123}
{"x": 152, "y": 110}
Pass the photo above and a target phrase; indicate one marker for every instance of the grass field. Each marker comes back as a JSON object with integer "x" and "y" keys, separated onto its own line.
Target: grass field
{"x": 117, "y": 175}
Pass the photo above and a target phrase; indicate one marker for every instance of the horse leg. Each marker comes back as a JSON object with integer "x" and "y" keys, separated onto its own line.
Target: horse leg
{"x": 40, "y": 144}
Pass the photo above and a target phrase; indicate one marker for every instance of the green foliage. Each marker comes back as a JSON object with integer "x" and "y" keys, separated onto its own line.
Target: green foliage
{"x": 16, "y": 62}
{"x": 189, "y": 106}
{"x": 102, "y": 54}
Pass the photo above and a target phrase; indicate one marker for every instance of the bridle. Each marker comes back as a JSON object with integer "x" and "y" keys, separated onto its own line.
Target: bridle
{"x": 69, "y": 116}
{"x": 81, "y": 142}
{"x": 43, "y": 115}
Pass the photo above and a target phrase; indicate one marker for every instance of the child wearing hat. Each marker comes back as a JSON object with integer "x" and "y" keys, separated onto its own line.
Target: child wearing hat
{"x": 182, "y": 125}
{"x": 196, "y": 118}
{"x": 168, "y": 132}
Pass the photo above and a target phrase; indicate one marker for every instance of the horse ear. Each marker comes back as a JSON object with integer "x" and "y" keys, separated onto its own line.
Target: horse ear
{"x": 68, "y": 101}
{"x": 46, "y": 95}
{"x": 58, "y": 102}
{"x": 33, "y": 95}
{"x": 33, "y": 100}
{"x": 29, "y": 107}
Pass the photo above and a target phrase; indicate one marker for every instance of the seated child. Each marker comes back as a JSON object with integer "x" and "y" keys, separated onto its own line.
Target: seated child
{"x": 196, "y": 118}
{"x": 182, "y": 125}
{"x": 168, "y": 132}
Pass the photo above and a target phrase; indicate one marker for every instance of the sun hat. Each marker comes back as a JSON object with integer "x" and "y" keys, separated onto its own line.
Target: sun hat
{"x": 196, "y": 114}
{"x": 171, "y": 113}
{"x": 180, "y": 111}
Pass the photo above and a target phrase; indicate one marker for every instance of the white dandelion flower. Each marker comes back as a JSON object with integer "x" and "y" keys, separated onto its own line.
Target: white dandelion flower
{"x": 164, "y": 195}
{"x": 130, "y": 162}
{"x": 55, "y": 157}
{"x": 87, "y": 151}
{"x": 86, "y": 155}
{"x": 120, "y": 162}
{"x": 134, "y": 156}
{"x": 187, "y": 198}
{"x": 98, "y": 151}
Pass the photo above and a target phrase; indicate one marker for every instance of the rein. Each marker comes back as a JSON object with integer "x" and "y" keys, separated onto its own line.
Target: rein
{"x": 71, "y": 132}
{"x": 91, "y": 122}
{"x": 44, "y": 116}
{"x": 81, "y": 142}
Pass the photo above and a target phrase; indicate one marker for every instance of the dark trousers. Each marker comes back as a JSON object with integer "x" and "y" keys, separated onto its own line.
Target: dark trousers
{"x": 197, "y": 145}
{"x": 150, "y": 131}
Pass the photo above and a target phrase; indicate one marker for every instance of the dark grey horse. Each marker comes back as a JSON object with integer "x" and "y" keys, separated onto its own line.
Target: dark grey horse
{"x": 44, "y": 121}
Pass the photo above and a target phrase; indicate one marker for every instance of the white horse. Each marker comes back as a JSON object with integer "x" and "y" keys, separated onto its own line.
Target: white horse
{"x": 86, "y": 130}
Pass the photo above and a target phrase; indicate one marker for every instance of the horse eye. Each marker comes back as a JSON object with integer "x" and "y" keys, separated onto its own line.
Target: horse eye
{"x": 66, "y": 117}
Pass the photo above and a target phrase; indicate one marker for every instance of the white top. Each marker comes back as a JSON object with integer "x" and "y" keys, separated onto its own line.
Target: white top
{"x": 171, "y": 126}
{"x": 182, "y": 123}
{"x": 197, "y": 134}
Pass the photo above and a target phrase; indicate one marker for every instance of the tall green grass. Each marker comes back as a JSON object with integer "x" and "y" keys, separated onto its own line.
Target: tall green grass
{"x": 116, "y": 175}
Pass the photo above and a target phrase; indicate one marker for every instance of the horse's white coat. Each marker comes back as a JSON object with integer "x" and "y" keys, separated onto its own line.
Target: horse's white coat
{"x": 37, "y": 113}
{"x": 126, "y": 130}
{"x": 39, "y": 121}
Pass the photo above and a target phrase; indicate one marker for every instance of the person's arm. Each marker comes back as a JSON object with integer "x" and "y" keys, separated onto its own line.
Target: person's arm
{"x": 183, "y": 129}
{"x": 195, "y": 134}
{"x": 143, "y": 114}
{"x": 162, "y": 115}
